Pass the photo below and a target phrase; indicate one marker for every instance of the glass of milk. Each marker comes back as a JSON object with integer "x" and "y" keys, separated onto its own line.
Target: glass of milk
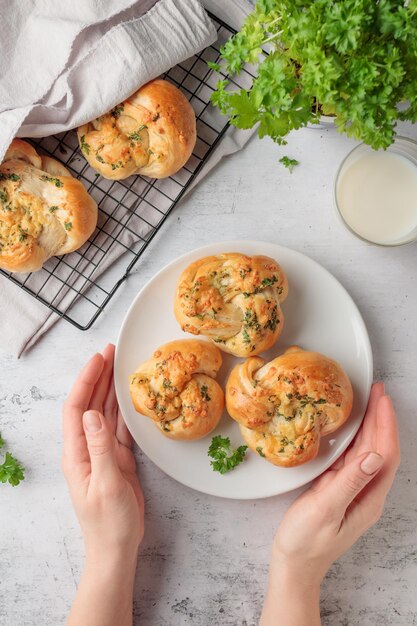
{"x": 376, "y": 193}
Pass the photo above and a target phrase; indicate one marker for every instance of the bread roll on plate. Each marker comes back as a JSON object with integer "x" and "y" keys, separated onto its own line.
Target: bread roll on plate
{"x": 283, "y": 407}
{"x": 152, "y": 133}
{"x": 234, "y": 300}
{"x": 177, "y": 389}
{"x": 44, "y": 211}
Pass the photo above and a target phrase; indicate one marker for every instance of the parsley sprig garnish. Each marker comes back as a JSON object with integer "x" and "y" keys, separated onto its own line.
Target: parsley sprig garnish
{"x": 225, "y": 457}
{"x": 11, "y": 470}
{"x": 289, "y": 163}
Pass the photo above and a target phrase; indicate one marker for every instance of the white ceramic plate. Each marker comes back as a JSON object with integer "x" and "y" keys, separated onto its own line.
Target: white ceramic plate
{"x": 319, "y": 315}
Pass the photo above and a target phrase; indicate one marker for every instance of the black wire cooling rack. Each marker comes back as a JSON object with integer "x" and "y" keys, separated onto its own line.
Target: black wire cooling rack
{"x": 78, "y": 286}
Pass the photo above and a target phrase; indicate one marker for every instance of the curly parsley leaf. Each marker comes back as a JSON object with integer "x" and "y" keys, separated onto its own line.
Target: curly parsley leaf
{"x": 213, "y": 66}
{"x": 289, "y": 163}
{"x": 225, "y": 458}
{"x": 11, "y": 470}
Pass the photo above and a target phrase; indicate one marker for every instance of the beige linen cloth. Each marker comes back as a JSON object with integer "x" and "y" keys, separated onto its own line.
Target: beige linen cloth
{"x": 94, "y": 52}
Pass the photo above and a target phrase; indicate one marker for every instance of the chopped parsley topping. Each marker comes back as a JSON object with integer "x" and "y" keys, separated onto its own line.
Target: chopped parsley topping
{"x": 117, "y": 111}
{"x": 85, "y": 147}
{"x": 7, "y": 206}
{"x": 251, "y": 320}
{"x": 196, "y": 287}
{"x": 166, "y": 383}
{"x": 305, "y": 399}
{"x": 13, "y": 177}
{"x": 273, "y": 320}
{"x": 259, "y": 451}
{"x": 52, "y": 209}
{"x": 22, "y": 235}
{"x": 135, "y": 136}
{"x": 245, "y": 336}
{"x": 284, "y": 443}
{"x": 244, "y": 270}
{"x": 51, "y": 179}
{"x": 160, "y": 408}
{"x": 204, "y": 393}
{"x": 267, "y": 282}
{"x": 68, "y": 225}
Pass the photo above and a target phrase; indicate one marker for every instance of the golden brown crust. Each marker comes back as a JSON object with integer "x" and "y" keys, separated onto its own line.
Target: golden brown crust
{"x": 44, "y": 211}
{"x": 177, "y": 389}
{"x": 152, "y": 133}
{"x": 283, "y": 407}
{"x": 234, "y": 300}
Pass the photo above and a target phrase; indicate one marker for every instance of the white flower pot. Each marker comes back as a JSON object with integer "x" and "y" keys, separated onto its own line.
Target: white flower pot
{"x": 325, "y": 121}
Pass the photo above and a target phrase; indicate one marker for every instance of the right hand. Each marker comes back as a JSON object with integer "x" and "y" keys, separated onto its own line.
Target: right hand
{"x": 345, "y": 501}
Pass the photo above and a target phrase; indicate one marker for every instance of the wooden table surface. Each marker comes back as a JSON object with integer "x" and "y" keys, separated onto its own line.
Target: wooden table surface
{"x": 204, "y": 560}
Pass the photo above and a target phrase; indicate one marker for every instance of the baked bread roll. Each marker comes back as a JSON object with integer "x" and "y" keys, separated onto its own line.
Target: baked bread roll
{"x": 152, "y": 133}
{"x": 44, "y": 211}
{"x": 177, "y": 389}
{"x": 283, "y": 407}
{"x": 234, "y": 300}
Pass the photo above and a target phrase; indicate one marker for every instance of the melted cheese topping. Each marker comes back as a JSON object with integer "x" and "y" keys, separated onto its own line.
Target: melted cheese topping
{"x": 233, "y": 301}
{"x": 172, "y": 391}
{"x": 22, "y": 216}
{"x": 117, "y": 140}
{"x": 294, "y": 417}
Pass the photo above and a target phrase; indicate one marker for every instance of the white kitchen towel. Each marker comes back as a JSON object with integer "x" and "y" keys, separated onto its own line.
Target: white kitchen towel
{"x": 63, "y": 64}
{"x": 151, "y": 37}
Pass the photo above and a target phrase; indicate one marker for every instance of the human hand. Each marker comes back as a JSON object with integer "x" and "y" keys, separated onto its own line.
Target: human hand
{"x": 331, "y": 515}
{"x": 99, "y": 465}
{"x": 347, "y": 499}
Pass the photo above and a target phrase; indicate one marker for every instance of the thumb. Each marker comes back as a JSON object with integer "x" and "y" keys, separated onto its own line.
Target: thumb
{"x": 101, "y": 445}
{"x": 350, "y": 480}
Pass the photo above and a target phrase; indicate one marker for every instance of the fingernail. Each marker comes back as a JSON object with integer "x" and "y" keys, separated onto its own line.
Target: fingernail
{"x": 92, "y": 421}
{"x": 371, "y": 463}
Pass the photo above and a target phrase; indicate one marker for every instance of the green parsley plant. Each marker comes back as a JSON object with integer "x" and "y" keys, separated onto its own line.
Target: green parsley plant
{"x": 354, "y": 59}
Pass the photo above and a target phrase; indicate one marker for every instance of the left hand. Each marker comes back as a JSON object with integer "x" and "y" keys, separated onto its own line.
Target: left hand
{"x": 344, "y": 501}
{"x": 99, "y": 465}
{"x": 330, "y": 516}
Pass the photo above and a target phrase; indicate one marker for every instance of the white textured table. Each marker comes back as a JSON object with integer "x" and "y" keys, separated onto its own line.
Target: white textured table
{"x": 204, "y": 560}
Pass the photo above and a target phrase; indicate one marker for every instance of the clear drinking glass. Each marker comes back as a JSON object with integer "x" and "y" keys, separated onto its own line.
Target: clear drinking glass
{"x": 403, "y": 146}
